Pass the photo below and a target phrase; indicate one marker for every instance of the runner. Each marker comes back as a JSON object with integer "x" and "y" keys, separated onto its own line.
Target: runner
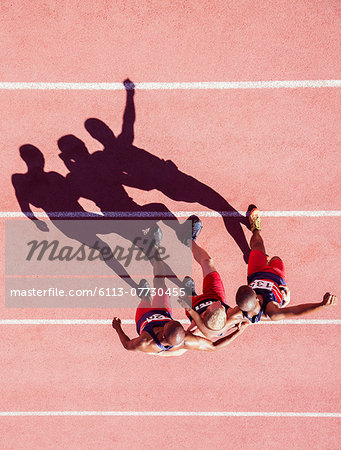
{"x": 267, "y": 293}
{"x": 159, "y": 333}
{"x": 209, "y": 314}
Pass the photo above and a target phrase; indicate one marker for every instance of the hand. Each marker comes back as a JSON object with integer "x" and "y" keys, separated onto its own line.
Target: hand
{"x": 116, "y": 323}
{"x": 242, "y": 325}
{"x": 182, "y": 302}
{"x": 41, "y": 225}
{"x": 329, "y": 299}
{"x": 286, "y": 294}
{"x": 192, "y": 327}
{"x": 129, "y": 86}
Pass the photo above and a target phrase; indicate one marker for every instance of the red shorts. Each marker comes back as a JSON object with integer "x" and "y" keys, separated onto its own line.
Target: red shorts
{"x": 159, "y": 302}
{"x": 212, "y": 288}
{"x": 258, "y": 263}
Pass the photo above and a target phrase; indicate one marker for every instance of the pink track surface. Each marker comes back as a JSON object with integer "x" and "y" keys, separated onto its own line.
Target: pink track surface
{"x": 278, "y": 148}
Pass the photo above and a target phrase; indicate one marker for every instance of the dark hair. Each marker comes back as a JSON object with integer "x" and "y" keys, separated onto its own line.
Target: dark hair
{"x": 245, "y": 298}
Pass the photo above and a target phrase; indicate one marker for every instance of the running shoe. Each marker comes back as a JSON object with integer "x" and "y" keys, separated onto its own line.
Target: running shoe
{"x": 254, "y": 217}
{"x": 189, "y": 285}
{"x": 196, "y": 228}
{"x": 143, "y": 289}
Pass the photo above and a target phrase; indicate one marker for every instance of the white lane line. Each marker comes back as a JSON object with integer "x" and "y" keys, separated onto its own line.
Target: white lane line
{"x": 221, "y": 85}
{"x": 132, "y": 322}
{"x": 173, "y": 413}
{"x": 148, "y": 214}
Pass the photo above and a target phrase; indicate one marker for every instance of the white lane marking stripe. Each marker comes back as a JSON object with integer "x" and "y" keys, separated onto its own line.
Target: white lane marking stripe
{"x": 113, "y": 214}
{"x": 222, "y": 85}
{"x": 132, "y": 322}
{"x": 173, "y": 413}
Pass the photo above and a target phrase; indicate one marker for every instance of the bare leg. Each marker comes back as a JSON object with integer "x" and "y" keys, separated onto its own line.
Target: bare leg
{"x": 161, "y": 299}
{"x": 203, "y": 258}
{"x": 256, "y": 242}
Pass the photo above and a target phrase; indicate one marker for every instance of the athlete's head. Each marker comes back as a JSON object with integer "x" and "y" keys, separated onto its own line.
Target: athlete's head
{"x": 72, "y": 147}
{"x": 32, "y": 156}
{"x": 174, "y": 332}
{"x": 246, "y": 298}
{"x": 100, "y": 131}
{"x": 215, "y": 316}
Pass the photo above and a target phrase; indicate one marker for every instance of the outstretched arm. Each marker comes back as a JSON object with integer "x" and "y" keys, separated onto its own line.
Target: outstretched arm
{"x": 202, "y": 344}
{"x": 127, "y": 134}
{"x": 225, "y": 341}
{"x": 128, "y": 344}
{"x": 277, "y": 313}
{"x": 234, "y": 320}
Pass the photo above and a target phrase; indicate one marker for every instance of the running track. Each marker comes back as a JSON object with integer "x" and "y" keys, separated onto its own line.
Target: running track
{"x": 276, "y": 147}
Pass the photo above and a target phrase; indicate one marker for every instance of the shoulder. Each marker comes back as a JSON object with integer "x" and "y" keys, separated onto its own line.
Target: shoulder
{"x": 144, "y": 342}
{"x": 144, "y": 338}
{"x": 196, "y": 342}
{"x": 234, "y": 313}
{"x": 272, "y": 308}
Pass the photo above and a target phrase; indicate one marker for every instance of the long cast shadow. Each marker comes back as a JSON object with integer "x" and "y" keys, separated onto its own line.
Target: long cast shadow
{"x": 135, "y": 167}
{"x": 54, "y": 194}
{"x": 101, "y": 177}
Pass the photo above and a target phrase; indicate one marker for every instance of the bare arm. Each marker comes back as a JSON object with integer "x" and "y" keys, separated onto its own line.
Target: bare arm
{"x": 202, "y": 344}
{"x": 128, "y": 344}
{"x": 277, "y": 313}
{"x": 225, "y": 341}
{"x": 235, "y": 319}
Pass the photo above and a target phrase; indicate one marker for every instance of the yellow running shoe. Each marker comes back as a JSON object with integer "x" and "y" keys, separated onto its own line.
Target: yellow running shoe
{"x": 254, "y": 218}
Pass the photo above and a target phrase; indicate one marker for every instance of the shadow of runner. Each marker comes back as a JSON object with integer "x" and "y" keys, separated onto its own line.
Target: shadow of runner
{"x": 53, "y": 193}
{"x": 135, "y": 167}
